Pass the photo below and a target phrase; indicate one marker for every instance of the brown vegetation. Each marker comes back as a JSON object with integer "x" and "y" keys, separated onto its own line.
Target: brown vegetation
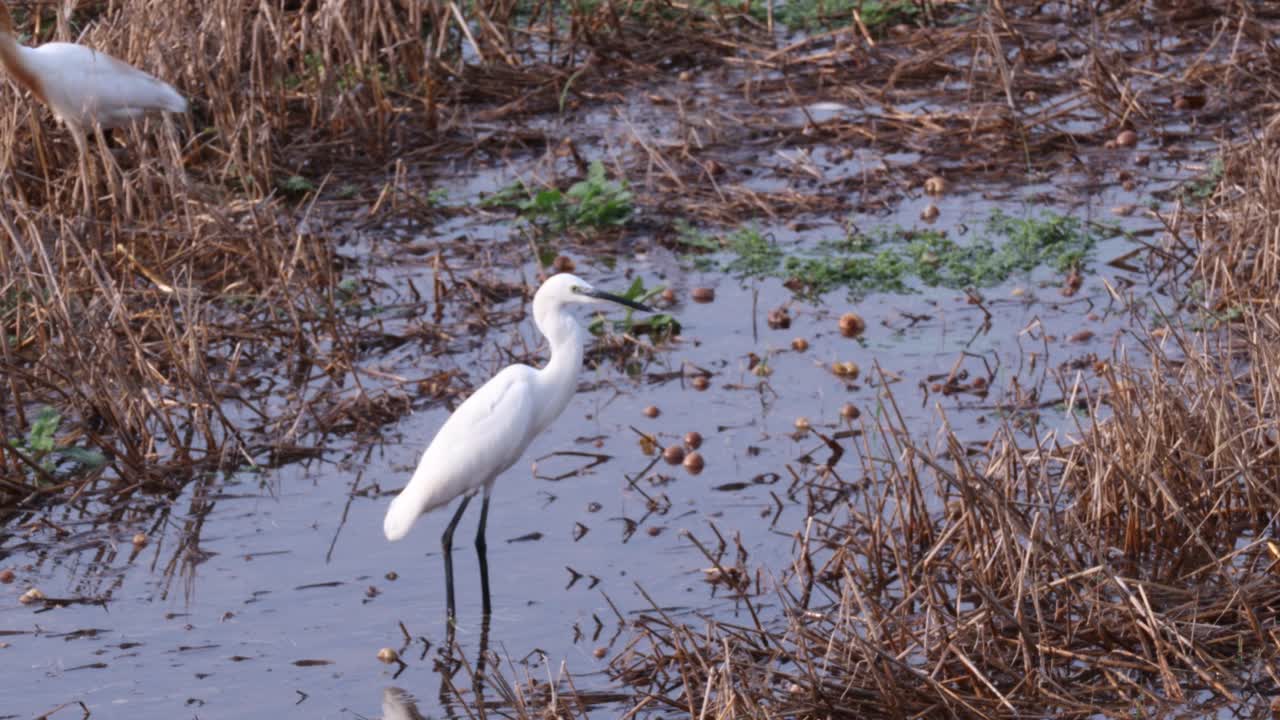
{"x": 1131, "y": 571}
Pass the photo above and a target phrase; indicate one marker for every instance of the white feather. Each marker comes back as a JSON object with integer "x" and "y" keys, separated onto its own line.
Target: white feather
{"x": 498, "y": 418}
{"x": 491, "y": 429}
{"x": 83, "y": 86}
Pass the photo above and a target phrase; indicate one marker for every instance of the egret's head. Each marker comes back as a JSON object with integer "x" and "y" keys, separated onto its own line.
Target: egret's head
{"x": 564, "y": 289}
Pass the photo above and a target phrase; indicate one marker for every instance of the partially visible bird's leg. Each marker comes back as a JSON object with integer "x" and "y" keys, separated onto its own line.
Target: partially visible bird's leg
{"x": 446, "y": 543}
{"x": 109, "y": 166}
{"x": 85, "y": 183}
{"x": 481, "y": 548}
{"x": 477, "y": 681}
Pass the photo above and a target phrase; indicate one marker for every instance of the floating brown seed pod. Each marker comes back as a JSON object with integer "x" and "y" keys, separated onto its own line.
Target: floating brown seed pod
{"x": 6, "y": 576}
{"x": 852, "y": 324}
{"x": 799, "y": 344}
{"x": 846, "y": 370}
{"x": 1127, "y": 138}
{"x": 930, "y": 213}
{"x": 139, "y": 539}
{"x": 674, "y": 454}
{"x": 935, "y": 185}
{"x": 703, "y": 294}
{"x": 647, "y": 445}
{"x": 779, "y": 318}
{"x": 31, "y": 596}
{"x": 1072, "y": 284}
{"x": 1189, "y": 102}
{"x": 388, "y": 655}
{"x": 652, "y": 411}
{"x": 693, "y": 463}
{"x": 849, "y": 411}
{"x": 802, "y": 424}
{"x": 700, "y": 383}
{"x": 693, "y": 439}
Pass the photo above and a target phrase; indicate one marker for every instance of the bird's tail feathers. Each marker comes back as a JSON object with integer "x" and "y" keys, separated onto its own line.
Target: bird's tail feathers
{"x": 415, "y": 500}
{"x": 401, "y": 516}
{"x": 172, "y": 101}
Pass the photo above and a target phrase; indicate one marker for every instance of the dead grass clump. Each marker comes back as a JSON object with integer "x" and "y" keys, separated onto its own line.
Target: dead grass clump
{"x": 1239, "y": 252}
{"x": 149, "y": 349}
{"x": 970, "y": 585}
{"x": 1183, "y": 472}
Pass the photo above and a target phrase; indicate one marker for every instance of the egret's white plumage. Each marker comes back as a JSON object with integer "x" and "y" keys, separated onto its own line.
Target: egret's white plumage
{"x": 82, "y": 86}
{"x": 492, "y": 428}
{"x": 482, "y": 438}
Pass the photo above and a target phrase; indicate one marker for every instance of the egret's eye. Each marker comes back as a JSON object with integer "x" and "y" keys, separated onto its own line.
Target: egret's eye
{"x": 576, "y": 289}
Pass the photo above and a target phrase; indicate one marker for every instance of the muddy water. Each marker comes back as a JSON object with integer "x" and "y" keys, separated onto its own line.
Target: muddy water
{"x": 281, "y": 606}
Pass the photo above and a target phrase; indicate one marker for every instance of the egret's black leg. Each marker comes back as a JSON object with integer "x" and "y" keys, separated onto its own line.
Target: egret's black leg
{"x": 477, "y": 685}
{"x": 446, "y": 543}
{"x": 481, "y": 548}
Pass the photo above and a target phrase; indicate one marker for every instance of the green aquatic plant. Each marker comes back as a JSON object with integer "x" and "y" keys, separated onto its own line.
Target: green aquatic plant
{"x": 1202, "y": 188}
{"x": 41, "y": 446}
{"x": 598, "y": 201}
{"x": 295, "y": 185}
{"x": 658, "y": 326}
{"x": 1009, "y": 246}
{"x": 876, "y": 15}
{"x": 594, "y": 202}
{"x": 887, "y": 259}
{"x": 884, "y": 271}
{"x": 755, "y": 253}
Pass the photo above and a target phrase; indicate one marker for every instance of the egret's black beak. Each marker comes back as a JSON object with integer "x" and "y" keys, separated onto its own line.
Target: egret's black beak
{"x": 602, "y": 295}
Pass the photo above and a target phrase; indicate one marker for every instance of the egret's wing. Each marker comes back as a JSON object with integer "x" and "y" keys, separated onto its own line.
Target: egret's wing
{"x": 483, "y": 437}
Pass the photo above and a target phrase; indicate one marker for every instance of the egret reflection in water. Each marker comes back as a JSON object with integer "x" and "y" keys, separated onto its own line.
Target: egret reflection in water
{"x": 398, "y": 704}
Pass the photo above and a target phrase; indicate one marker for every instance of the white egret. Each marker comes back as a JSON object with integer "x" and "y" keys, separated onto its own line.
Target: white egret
{"x": 491, "y": 429}
{"x": 83, "y": 87}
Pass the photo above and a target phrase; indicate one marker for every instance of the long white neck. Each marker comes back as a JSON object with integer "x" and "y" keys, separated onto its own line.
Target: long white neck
{"x": 567, "y": 339}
